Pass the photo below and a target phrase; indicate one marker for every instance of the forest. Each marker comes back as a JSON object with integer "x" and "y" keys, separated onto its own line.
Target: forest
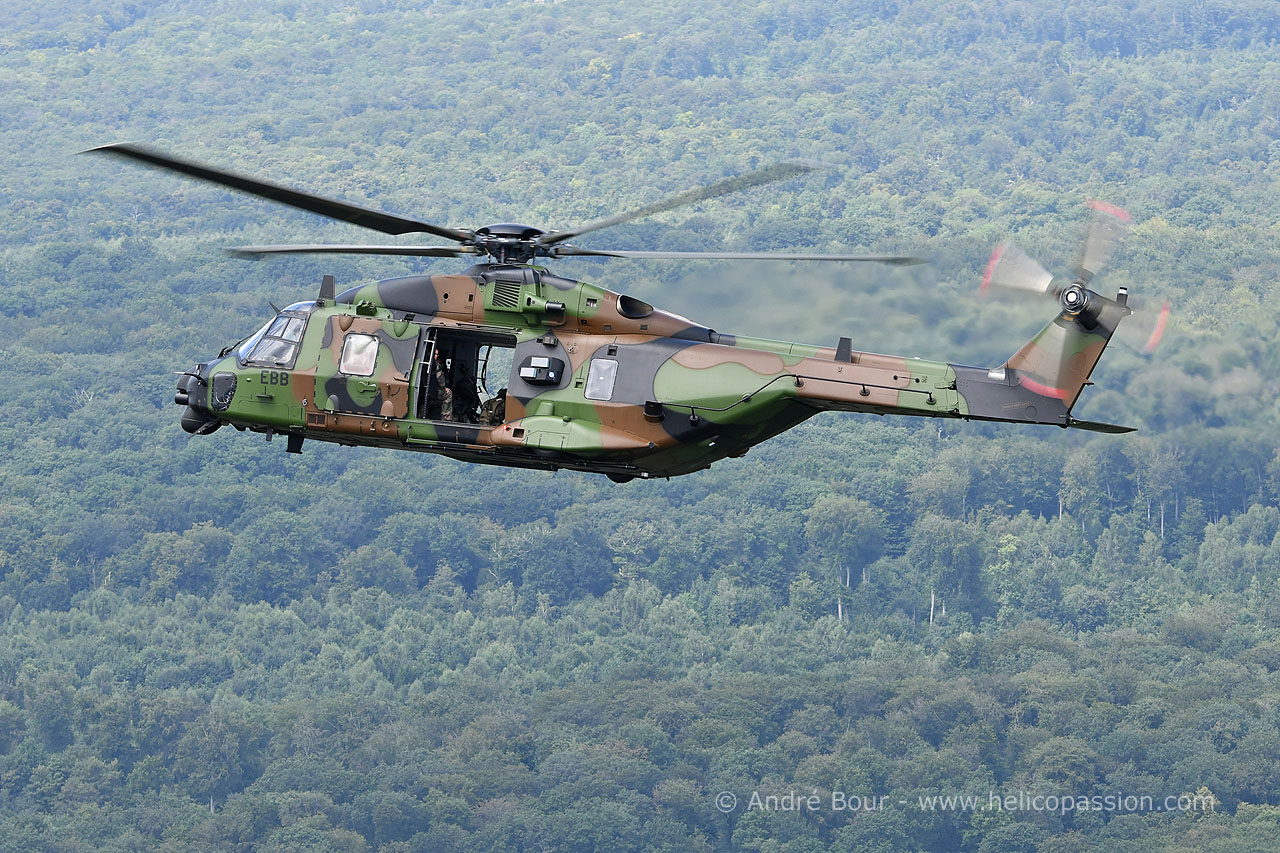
{"x": 210, "y": 644}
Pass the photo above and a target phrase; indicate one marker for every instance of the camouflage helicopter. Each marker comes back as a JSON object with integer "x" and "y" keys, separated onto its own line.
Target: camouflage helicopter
{"x": 510, "y": 364}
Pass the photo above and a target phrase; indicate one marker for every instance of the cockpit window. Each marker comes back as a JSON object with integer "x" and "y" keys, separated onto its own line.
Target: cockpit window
{"x": 273, "y": 351}
{"x": 289, "y": 328}
{"x": 242, "y": 351}
{"x": 276, "y": 343}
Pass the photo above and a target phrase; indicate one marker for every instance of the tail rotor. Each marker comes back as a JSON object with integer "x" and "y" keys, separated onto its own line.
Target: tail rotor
{"x": 1013, "y": 271}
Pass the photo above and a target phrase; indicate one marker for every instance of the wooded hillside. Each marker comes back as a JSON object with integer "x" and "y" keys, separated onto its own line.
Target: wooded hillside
{"x": 209, "y": 644}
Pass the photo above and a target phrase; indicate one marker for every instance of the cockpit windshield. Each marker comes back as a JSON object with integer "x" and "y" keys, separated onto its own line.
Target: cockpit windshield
{"x": 276, "y": 343}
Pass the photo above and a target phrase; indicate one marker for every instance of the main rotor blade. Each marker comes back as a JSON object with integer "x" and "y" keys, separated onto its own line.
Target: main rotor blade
{"x": 897, "y": 260}
{"x": 364, "y": 217}
{"x": 778, "y": 172}
{"x": 330, "y": 249}
{"x": 1011, "y": 268}
{"x": 1107, "y": 227}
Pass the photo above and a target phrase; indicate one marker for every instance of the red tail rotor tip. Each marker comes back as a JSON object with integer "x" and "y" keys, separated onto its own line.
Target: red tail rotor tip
{"x": 1157, "y": 333}
{"x": 1104, "y": 207}
{"x": 996, "y": 254}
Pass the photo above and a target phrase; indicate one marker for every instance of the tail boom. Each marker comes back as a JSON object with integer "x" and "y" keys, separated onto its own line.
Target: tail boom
{"x": 1039, "y": 384}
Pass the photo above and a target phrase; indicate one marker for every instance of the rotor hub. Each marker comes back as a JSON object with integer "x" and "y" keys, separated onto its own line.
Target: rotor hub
{"x": 1074, "y": 298}
{"x": 509, "y": 242}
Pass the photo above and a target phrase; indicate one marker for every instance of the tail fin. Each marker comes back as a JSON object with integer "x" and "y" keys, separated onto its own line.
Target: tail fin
{"x": 1042, "y": 380}
{"x": 1058, "y": 360}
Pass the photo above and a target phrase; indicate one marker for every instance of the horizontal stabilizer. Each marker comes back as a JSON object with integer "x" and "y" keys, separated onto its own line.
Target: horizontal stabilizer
{"x": 1095, "y": 426}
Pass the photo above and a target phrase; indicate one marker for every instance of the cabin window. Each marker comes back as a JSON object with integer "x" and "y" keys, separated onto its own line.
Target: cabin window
{"x": 600, "y": 378}
{"x": 359, "y": 353}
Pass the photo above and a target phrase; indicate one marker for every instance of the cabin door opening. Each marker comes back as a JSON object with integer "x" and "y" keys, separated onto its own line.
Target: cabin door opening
{"x": 463, "y": 377}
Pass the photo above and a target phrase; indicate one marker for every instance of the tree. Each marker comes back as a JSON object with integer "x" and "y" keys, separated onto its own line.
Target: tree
{"x": 216, "y": 755}
{"x": 847, "y": 534}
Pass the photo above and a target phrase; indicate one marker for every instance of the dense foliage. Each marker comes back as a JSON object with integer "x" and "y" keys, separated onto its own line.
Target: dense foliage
{"x": 210, "y": 645}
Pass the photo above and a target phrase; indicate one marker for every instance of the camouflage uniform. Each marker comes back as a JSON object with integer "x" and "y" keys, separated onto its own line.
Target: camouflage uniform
{"x": 443, "y": 388}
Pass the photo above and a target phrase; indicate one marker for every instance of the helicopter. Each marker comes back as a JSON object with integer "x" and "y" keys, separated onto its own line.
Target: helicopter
{"x": 508, "y": 363}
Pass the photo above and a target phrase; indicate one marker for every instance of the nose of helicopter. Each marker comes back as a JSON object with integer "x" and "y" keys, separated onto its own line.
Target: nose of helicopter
{"x": 183, "y": 397}
{"x": 193, "y": 393}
